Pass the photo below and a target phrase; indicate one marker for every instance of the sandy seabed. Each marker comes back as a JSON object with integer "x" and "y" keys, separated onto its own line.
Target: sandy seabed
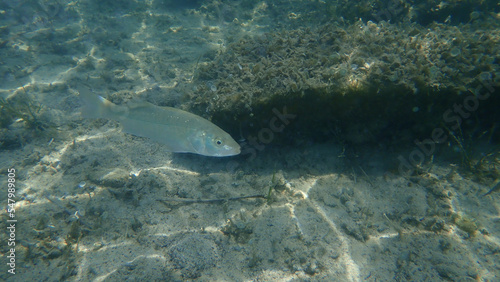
{"x": 96, "y": 204}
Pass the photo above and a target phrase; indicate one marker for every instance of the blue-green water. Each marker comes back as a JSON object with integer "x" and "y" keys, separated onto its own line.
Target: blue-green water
{"x": 368, "y": 131}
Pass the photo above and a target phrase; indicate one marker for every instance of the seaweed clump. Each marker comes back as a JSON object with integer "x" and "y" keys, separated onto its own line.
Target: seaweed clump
{"x": 26, "y": 109}
{"x": 20, "y": 120}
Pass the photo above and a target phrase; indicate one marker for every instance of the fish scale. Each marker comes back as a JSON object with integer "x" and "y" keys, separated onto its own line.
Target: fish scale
{"x": 178, "y": 130}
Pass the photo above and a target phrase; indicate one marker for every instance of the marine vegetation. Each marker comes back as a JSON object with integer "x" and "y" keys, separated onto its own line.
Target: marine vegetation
{"x": 375, "y": 82}
{"x": 484, "y": 164}
{"x": 25, "y": 109}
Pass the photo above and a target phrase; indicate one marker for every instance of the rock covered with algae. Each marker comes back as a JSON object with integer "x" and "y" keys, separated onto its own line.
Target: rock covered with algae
{"x": 366, "y": 80}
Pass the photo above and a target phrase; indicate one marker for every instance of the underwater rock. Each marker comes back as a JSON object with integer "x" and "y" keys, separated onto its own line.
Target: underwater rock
{"x": 359, "y": 83}
{"x": 115, "y": 178}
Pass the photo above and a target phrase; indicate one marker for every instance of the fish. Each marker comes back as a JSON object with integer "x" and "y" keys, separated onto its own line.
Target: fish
{"x": 179, "y": 131}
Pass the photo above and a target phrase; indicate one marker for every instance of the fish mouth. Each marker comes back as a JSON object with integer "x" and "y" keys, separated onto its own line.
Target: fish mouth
{"x": 231, "y": 151}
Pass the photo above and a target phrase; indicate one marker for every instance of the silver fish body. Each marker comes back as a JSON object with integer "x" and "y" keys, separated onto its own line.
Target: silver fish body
{"x": 178, "y": 130}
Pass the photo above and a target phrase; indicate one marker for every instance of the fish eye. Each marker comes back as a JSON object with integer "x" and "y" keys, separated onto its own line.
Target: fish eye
{"x": 218, "y": 141}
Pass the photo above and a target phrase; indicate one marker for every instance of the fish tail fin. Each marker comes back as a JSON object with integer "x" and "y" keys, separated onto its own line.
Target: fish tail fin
{"x": 95, "y": 106}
